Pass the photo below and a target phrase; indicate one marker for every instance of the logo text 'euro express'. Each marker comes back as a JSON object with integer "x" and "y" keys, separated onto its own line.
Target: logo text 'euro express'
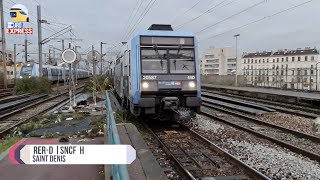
{"x": 19, "y": 14}
{"x": 20, "y": 31}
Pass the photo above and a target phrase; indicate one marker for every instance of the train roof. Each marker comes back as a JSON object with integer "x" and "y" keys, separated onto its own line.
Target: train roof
{"x": 50, "y": 66}
{"x": 164, "y": 33}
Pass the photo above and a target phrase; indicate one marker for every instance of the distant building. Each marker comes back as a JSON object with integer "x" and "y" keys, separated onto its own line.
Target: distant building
{"x": 9, "y": 57}
{"x": 218, "y": 61}
{"x": 292, "y": 69}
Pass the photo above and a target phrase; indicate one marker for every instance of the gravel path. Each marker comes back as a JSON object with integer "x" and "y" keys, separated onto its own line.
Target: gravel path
{"x": 298, "y": 123}
{"x": 270, "y": 159}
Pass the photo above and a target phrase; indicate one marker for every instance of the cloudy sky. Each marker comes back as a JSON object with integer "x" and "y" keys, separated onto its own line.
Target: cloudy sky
{"x": 213, "y": 21}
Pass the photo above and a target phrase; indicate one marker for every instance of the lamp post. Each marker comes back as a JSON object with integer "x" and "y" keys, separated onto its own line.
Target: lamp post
{"x": 317, "y": 76}
{"x": 236, "y": 72}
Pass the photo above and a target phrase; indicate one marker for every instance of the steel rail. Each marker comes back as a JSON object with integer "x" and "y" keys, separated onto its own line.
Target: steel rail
{"x": 252, "y": 172}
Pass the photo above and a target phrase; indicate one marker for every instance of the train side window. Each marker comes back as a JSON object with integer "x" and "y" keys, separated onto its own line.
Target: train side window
{"x": 45, "y": 72}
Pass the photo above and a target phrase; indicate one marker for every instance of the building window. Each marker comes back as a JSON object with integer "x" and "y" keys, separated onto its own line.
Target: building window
{"x": 267, "y": 60}
{"x": 251, "y": 60}
{"x": 259, "y": 60}
{"x": 232, "y": 60}
{"x": 277, "y": 59}
{"x": 306, "y": 58}
{"x": 287, "y": 59}
{"x": 213, "y": 61}
{"x": 292, "y": 72}
{"x": 244, "y": 61}
{"x": 305, "y": 72}
{"x": 209, "y": 56}
{"x": 312, "y": 58}
{"x": 282, "y": 59}
{"x": 255, "y": 61}
{"x": 292, "y": 59}
{"x": 263, "y": 60}
{"x": 299, "y": 58}
{"x": 273, "y": 60}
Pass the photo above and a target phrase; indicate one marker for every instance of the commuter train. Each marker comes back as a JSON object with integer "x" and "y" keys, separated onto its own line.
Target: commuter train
{"x": 160, "y": 75}
{"x": 53, "y": 73}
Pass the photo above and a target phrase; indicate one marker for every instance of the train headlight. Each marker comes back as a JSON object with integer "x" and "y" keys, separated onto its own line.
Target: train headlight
{"x": 192, "y": 84}
{"x": 145, "y": 85}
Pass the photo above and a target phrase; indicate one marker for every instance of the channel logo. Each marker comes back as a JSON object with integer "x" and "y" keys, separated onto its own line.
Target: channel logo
{"x": 19, "y": 14}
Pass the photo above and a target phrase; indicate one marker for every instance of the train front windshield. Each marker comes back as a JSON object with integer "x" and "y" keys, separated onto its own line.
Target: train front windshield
{"x": 26, "y": 71}
{"x": 164, "y": 61}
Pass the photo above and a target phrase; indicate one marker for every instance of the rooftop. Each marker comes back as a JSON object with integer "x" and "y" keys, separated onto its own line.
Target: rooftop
{"x": 306, "y": 51}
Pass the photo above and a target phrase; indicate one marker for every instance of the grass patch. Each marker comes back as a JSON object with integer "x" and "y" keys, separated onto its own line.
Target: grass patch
{"x": 8, "y": 143}
{"x": 126, "y": 117}
{"x": 33, "y": 86}
{"x": 98, "y": 122}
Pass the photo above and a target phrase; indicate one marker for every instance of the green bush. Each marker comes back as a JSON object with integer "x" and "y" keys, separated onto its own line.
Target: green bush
{"x": 33, "y": 86}
{"x": 99, "y": 84}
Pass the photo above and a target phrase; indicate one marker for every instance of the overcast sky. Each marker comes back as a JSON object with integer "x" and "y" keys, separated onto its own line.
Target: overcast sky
{"x": 108, "y": 21}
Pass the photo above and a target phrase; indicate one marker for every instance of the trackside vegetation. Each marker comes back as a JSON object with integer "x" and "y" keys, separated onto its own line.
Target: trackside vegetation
{"x": 34, "y": 85}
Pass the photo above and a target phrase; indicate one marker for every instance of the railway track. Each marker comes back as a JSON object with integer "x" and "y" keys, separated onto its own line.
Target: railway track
{"x": 18, "y": 116}
{"x": 18, "y": 103}
{"x": 196, "y": 157}
{"x": 298, "y": 142}
{"x": 308, "y": 112}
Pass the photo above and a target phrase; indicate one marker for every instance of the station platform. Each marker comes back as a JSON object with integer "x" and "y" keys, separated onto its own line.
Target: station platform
{"x": 145, "y": 167}
{"x": 287, "y": 96}
{"x": 51, "y": 172}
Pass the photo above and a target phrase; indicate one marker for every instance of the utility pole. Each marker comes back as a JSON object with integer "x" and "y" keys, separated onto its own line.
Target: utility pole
{"x": 15, "y": 63}
{"x": 39, "y": 39}
{"x": 3, "y": 41}
{"x": 64, "y": 66}
{"x": 49, "y": 57}
{"x": 236, "y": 36}
{"x": 26, "y": 49}
{"x": 102, "y": 43}
{"x": 94, "y": 75}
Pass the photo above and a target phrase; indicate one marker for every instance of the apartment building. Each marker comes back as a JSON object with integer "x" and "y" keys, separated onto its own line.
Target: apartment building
{"x": 287, "y": 69}
{"x": 218, "y": 61}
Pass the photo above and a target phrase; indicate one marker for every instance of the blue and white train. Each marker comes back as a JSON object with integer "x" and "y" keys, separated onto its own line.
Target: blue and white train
{"x": 160, "y": 74}
{"x": 53, "y": 73}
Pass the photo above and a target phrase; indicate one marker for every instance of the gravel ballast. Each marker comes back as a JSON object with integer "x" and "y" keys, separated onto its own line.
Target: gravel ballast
{"x": 274, "y": 161}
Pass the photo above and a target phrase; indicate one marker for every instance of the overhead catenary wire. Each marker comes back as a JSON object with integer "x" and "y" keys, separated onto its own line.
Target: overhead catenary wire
{"x": 233, "y": 15}
{"x": 206, "y": 12}
{"x": 147, "y": 9}
{"x": 131, "y": 18}
{"x": 258, "y": 20}
{"x": 185, "y": 12}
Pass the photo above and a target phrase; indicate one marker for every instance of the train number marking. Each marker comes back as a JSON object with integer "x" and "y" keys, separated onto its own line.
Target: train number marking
{"x": 191, "y": 77}
{"x": 149, "y": 77}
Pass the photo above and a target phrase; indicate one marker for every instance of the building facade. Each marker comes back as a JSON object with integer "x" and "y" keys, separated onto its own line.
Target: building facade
{"x": 286, "y": 69}
{"x": 218, "y": 61}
